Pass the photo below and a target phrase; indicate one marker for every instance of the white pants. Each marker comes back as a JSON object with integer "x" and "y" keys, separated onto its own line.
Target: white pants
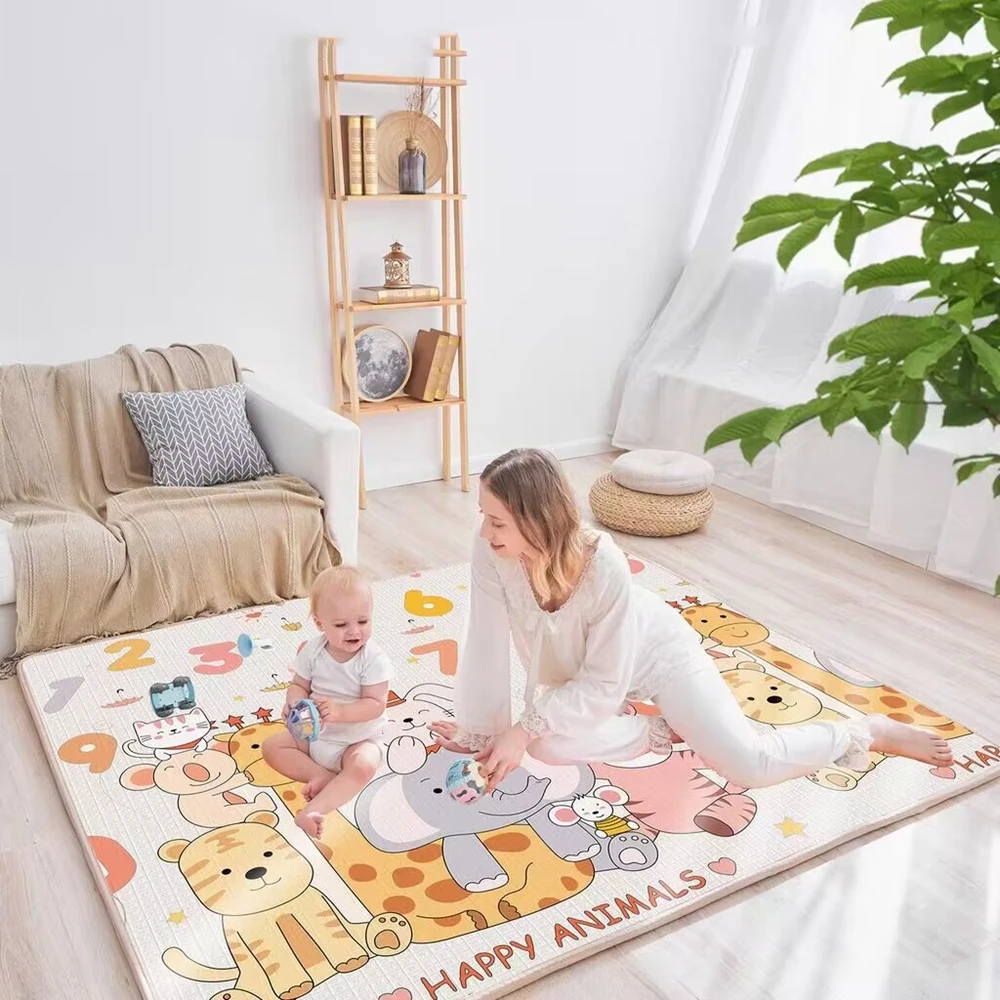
{"x": 699, "y": 706}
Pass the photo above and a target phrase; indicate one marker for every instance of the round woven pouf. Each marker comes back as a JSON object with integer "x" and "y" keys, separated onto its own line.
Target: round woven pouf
{"x": 650, "y": 514}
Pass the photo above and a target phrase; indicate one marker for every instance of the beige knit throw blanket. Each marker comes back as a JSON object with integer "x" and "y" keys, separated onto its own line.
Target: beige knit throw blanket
{"x": 98, "y": 550}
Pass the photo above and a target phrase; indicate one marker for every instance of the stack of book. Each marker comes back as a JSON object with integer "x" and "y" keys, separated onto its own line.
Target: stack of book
{"x": 381, "y": 296}
{"x": 361, "y": 153}
{"x": 434, "y": 353}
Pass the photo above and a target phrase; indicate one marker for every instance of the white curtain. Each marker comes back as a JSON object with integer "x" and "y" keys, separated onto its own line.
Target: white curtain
{"x": 737, "y": 333}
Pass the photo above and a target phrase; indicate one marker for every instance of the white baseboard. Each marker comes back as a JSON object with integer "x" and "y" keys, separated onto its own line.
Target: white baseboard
{"x": 426, "y": 472}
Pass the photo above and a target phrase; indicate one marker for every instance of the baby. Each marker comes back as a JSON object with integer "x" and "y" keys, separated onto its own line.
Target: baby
{"x": 346, "y": 675}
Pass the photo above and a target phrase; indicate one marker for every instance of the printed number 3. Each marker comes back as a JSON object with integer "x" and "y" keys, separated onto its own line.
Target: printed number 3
{"x": 218, "y": 658}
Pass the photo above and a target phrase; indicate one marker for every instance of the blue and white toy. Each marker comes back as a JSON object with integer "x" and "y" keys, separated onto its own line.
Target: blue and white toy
{"x": 466, "y": 781}
{"x": 303, "y": 721}
{"x": 169, "y": 699}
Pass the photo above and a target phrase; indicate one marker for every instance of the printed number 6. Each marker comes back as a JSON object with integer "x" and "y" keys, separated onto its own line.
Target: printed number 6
{"x": 218, "y": 658}
{"x": 416, "y": 602}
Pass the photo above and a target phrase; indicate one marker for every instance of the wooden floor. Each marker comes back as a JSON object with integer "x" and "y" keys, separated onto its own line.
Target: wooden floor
{"x": 909, "y": 913}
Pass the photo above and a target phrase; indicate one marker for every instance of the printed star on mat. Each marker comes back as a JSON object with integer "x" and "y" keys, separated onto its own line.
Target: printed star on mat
{"x": 461, "y": 586}
{"x": 412, "y": 659}
{"x": 176, "y": 918}
{"x": 690, "y": 599}
{"x": 237, "y": 697}
{"x": 790, "y": 828}
{"x": 264, "y": 714}
{"x": 236, "y": 721}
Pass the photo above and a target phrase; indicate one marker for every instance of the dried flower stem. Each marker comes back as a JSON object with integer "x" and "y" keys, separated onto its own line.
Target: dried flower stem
{"x": 421, "y": 101}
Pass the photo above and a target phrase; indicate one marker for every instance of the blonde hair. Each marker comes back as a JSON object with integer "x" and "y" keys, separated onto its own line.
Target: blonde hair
{"x": 530, "y": 483}
{"x": 336, "y": 580}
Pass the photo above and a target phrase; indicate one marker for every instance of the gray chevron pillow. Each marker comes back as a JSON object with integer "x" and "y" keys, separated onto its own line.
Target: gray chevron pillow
{"x": 198, "y": 438}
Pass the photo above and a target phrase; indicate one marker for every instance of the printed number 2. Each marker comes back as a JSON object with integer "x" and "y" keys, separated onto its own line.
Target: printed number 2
{"x": 133, "y": 654}
{"x": 447, "y": 650}
{"x": 218, "y": 658}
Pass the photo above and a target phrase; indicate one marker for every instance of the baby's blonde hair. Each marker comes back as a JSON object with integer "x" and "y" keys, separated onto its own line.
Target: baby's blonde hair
{"x": 336, "y": 580}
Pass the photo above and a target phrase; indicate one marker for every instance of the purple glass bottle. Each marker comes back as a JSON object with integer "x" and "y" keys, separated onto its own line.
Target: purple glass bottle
{"x": 412, "y": 169}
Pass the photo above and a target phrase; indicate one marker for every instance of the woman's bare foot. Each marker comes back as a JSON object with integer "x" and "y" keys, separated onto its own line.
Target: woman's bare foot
{"x": 311, "y": 822}
{"x": 312, "y": 788}
{"x": 902, "y": 740}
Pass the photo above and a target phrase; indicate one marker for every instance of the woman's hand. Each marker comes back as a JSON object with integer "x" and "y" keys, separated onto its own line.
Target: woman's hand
{"x": 445, "y": 732}
{"x": 504, "y": 755}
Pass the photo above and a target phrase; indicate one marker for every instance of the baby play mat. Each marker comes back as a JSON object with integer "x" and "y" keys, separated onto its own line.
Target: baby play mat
{"x": 412, "y": 896}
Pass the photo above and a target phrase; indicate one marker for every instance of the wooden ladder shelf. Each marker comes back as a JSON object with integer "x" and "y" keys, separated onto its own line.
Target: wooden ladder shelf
{"x": 343, "y": 308}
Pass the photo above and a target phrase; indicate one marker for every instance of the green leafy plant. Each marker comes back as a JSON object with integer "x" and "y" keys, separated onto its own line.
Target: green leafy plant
{"x": 899, "y": 365}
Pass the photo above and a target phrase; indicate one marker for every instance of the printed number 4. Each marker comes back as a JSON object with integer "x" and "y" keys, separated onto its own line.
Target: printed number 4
{"x": 218, "y": 658}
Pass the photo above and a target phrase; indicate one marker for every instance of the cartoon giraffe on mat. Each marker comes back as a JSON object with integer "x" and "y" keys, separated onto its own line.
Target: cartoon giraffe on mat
{"x": 417, "y": 884}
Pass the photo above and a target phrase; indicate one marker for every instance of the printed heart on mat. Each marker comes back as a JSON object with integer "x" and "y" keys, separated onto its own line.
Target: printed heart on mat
{"x": 636, "y": 566}
{"x": 402, "y": 993}
{"x": 724, "y": 866}
{"x": 943, "y": 772}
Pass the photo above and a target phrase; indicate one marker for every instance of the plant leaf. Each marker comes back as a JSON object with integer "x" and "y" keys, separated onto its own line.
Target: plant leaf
{"x": 897, "y": 271}
{"x": 992, "y": 28}
{"x": 874, "y": 418}
{"x": 791, "y": 417}
{"x": 751, "y": 447}
{"x": 979, "y": 140}
{"x": 884, "y": 8}
{"x": 774, "y": 204}
{"x": 910, "y": 414}
{"x": 996, "y": 588}
{"x": 891, "y": 336}
{"x": 973, "y": 468}
{"x": 798, "y": 239}
{"x": 962, "y": 415}
{"x": 842, "y": 158}
{"x": 955, "y": 105}
{"x": 957, "y": 235}
{"x": 745, "y": 425}
{"x": 933, "y": 33}
{"x": 848, "y": 230}
{"x": 996, "y": 487}
{"x": 878, "y": 196}
{"x": 988, "y": 357}
{"x": 917, "y": 363}
{"x": 761, "y": 225}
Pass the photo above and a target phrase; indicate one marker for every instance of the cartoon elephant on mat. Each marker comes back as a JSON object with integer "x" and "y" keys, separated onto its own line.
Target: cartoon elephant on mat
{"x": 410, "y": 807}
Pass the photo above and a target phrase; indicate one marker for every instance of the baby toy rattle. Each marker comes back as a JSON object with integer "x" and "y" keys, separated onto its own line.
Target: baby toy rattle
{"x": 303, "y": 721}
{"x": 466, "y": 781}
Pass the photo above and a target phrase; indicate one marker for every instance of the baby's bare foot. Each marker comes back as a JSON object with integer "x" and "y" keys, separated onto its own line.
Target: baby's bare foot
{"x": 311, "y": 822}
{"x": 902, "y": 740}
{"x": 312, "y": 788}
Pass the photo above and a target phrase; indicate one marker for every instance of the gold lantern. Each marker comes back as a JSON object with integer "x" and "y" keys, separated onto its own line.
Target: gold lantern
{"x": 397, "y": 267}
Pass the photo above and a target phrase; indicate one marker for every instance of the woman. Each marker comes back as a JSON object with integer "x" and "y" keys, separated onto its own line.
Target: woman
{"x": 591, "y": 640}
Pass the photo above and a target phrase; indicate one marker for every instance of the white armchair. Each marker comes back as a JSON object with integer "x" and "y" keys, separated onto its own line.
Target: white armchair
{"x": 307, "y": 440}
{"x": 302, "y": 439}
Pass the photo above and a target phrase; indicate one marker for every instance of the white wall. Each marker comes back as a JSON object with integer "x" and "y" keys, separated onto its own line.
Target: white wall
{"x": 159, "y": 182}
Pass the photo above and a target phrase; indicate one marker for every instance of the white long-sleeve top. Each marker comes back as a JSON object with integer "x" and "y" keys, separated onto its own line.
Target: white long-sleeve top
{"x": 583, "y": 661}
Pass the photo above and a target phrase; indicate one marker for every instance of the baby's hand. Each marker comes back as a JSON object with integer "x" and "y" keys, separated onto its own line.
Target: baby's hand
{"x": 329, "y": 710}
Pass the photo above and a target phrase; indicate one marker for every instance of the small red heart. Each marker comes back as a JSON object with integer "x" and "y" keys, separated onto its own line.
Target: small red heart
{"x": 724, "y": 866}
{"x": 400, "y": 993}
{"x": 636, "y": 566}
{"x": 393, "y": 994}
{"x": 254, "y": 614}
{"x": 943, "y": 772}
